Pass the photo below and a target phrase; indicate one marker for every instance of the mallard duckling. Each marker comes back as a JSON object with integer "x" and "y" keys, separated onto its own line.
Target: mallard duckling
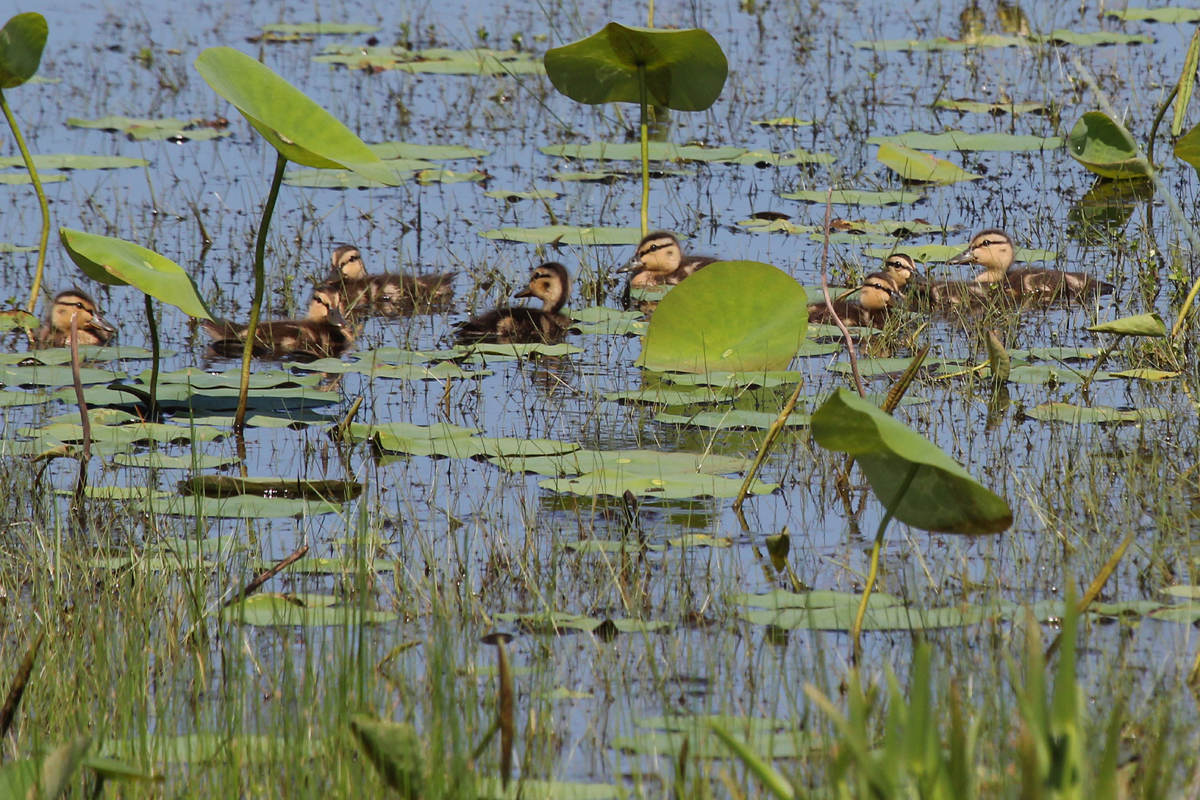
{"x": 551, "y": 284}
{"x": 901, "y": 268}
{"x": 659, "y": 260}
{"x": 389, "y": 293}
{"x": 91, "y": 328}
{"x": 993, "y": 250}
{"x": 870, "y": 310}
{"x": 322, "y": 333}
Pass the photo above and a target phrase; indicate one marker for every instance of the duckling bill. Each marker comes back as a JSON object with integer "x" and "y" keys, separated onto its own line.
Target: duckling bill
{"x": 323, "y": 333}
{"x": 387, "y": 293}
{"x": 549, "y": 283}
{"x": 91, "y": 328}
{"x": 993, "y": 250}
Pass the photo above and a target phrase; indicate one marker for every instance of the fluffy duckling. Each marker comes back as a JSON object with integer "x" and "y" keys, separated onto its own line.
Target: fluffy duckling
{"x": 993, "y": 250}
{"x": 92, "y": 329}
{"x": 549, "y": 283}
{"x": 901, "y": 268}
{"x": 322, "y": 333}
{"x": 870, "y": 310}
{"x": 660, "y": 260}
{"x": 389, "y": 293}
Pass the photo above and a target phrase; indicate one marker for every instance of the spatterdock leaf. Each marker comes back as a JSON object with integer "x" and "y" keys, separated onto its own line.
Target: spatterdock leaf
{"x": 685, "y": 70}
{"x": 22, "y": 40}
{"x": 1106, "y": 148}
{"x": 1140, "y": 325}
{"x": 396, "y": 751}
{"x": 294, "y": 125}
{"x": 942, "y": 496}
{"x": 121, "y": 263}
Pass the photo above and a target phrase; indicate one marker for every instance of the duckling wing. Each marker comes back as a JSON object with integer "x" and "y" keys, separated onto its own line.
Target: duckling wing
{"x": 222, "y": 329}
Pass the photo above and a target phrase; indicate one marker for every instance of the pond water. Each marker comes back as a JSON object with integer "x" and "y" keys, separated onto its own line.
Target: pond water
{"x": 465, "y": 540}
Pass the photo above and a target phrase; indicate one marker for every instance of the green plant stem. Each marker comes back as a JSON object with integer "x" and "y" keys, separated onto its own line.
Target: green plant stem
{"x": 41, "y": 195}
{"x": 155, "y": 352}
{"x": 1158, "y": 118}
{"x": 1102, "y": 358}
{"x": 873, "y": 572}
{"x": 643, "y": 91}
{"x": 768, "y": 441}
{"x": 260, "y": 250}
{"x": 650, "y": 15}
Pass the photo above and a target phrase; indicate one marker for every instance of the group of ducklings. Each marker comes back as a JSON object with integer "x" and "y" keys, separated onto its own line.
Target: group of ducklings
{"x": 659, "y": 260}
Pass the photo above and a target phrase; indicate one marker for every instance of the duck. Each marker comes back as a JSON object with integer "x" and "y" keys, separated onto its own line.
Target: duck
{"x": 323, "y": 333}
{"x": 902, "y": 268}
{"x": 91, "y": 328}
{"x": 549, "y": 283}
{"x": 870, "y": 310}
{"x": 993, "y": 250}
{"x": 389, "y": 292}
{"x": 658, "y": 261}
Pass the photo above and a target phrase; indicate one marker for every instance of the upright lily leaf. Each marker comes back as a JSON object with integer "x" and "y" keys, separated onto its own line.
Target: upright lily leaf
{"x": 685, "y": 70}
{"x": 942, "y": 496}
{"x": 1140, "y": 325}
{"x": 294, "y": 125}
{"x": 913, "y": 165}
{"x": 733, "y": 316}
{"x": 396, "y": 750}
{"x": 1106, "y": 148}
{"x": 1187, "y": 148}
{"x": 1187, "y": 83}
{"x": 22, "y": 40}
{"x": 120, "y": 263}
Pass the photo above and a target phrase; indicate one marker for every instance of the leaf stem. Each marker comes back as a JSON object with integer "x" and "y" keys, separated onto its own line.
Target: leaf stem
{"x": 41, "y": 195}
{"x": 260, "y": 249}
{"x": 643, "y": 93}
{"x": 155, "y": 351}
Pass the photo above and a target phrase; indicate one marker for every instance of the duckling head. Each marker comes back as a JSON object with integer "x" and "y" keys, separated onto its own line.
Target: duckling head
{"x": 549, "y": 283}
{"x": 901, "y": 268}
{"x": 74, "y": 303}
{"x": 657, "y": 252}
{"x": 348, "y": 263}
{"x": 991, "y": 249}
{"x": 326, "y": 306}
{"x": 877, "y": 292}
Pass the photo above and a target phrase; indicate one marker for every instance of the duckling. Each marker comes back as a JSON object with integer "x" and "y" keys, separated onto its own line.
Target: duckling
{"x": 551, "y": 284}
{"x": 993, "y": 250}
{"x": 322, "y": 333}
{"x": 901, "y": 268}
{"x": 870, "y": 310}
{"x": 389, "y": 293}
{"x": 660, "y": 260}
{"x": 92, "y": 329}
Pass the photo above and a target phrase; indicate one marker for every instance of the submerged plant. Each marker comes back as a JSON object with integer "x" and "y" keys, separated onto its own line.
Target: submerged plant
{"x": 300, "y": 131}
{"x": 681, "y": 70}
{"x": 22, "y": 40}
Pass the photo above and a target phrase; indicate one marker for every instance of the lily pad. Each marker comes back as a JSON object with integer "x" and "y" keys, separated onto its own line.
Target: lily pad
{"x": 941, "y": 497}
{"x": 408, "y": 151}
{"x": 123, "y": 435}
{"x": 970, "y": 142}
{"x": 21, "y": 179}
{"x": 16, "y": 319}
{"x": 196, "y": 461}
{"x": 632, "y": 151}
{"x": 66, "y": 161}
{"x": 428, "y": 177}
{"x": 53, "y": 375}
{"x": 1092, "y": 39}
{"x": 608, "y": 321}
{"x": 275, "y": 610}
{"x": 782, "y": 122}
{"x": 320, "y": 28}
{"x": 567, "y": 234}
{"x": 648, "y": 463}
{"x": 12, "y": 399}
{"x": 1106, "y": 148}
{"x": 939, "y": 44}
{"x": 347, "y": 179}
{"x": 1145, "y": 374}
{"x": 1080, "y": 415}
{"x": 821, "y": 598}
{"x": 588, "y": 546}
{"x": 1045, "y": 374}
{"x": 435, "y": 61}
{"x": 245, "y": 506}
{"x": 671, "y": 396}
{"x": 917, "y": 167}
{"x": 1141, "y": 325}
{"x": 673, "y": 487}
{"x": 512, "y": 196}
{"x": 1169, "y": 15}
{"x": 775, "y": 226}
{"x": 22, "y": 40}
{"x": 140, "y": 129}
{"x": 451, "y": 441}
{"x": 734, "y": 316}
{"x": 734, "y": 380}
{"x": 888, "y": 618}
{"x": 978, "y": 107}
{"x": 875, "y": 367}
{"x": 856, "y": 197}
{"x": 228, "y": 486}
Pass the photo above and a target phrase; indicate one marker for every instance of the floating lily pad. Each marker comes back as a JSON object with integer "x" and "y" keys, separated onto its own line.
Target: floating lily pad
{"x": 733, "y": 380}
{"x": 283, "y": 418}
{"x": 875, "y": 367}
{"x": 171, "y": 129}
{"x": 451, "y": 441}
{"x": 567, "y": 234}
{"x": 16, "y": 320}
{"x": 438, "y": 61}
{"x": 775, "y": 226}
{"x": 558, "y": 621}
{"x": 939, "y": 44}
{"x": 1141, "y": 325}
{"x": 159, "y": 461}
{"x": 176, "y": 397}
{"x": 674, "y": 487}
{"x": 735, "y": 418}
{"x": 598, "y": 176}
{"x": 1093, "y": 38}
{"x": 408, "y": 151}
{"x": 648, "y": 463}
{"x": 67, "y": 161}
{"x": 632, "y": 151}
{"x": 23, "y": 178}
{"x": 5, "y": 247}
{"x": 766, "y": 158}
{"x": 670, "y": 396}
{"x": 918, "y": 167}
{"x": 891, "y": 227}
{"x": 856, "y": 197}
{"x": 62, "y": 355}
{"x": 1145, "y": 374}
{"x": 821, "y": 598}
{"x": 53, "y": 375}
{"x": 1042, "y": 374}
{"x": 588, "y": 546}
{"x": 1055, "y": 353}
{"x": 1169, "y": 15}
{"x": 1106, "y": 148}
{"x": 275, "y": 610}
{"x": 231, "y": 379}
{"x": 123, "y": 435}
{"x": 782, "y": 122}
{"x": 12, "y": 399}
{"x": 320, "y": 28}
{"x": 960, "y": 141}
{"x": 1080, "y": 415}
{"x": 512, "y": 196}
{"x": 608, "y": 321}
{"x": 487, "y": 351}
{"x": 701, "y": 540}
{"x": 427, "y": 177}
{"x": 737, "y": 316}
{"x": 312, "y": 565}
{"x": 888, "y": 618}
{"x": 347, "y": 179}
{"x": 537, "y": 789}
{"x": 977, "y": 107}
{"x": 245, "y": 506}
{"x": 229, "y": 486}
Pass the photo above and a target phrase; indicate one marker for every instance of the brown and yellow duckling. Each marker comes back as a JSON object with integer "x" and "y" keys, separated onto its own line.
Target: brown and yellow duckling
{"x": 659, "y": 261}
{"x": 322, "y": 333}
{"x": 388, "y": 293}
{"x": 870, "y": 309}
{"x": 902, "y": 269}
{"x": 549, "y": 283}
{"x": 993, "y": 250}
{"x": 91, "y": 328}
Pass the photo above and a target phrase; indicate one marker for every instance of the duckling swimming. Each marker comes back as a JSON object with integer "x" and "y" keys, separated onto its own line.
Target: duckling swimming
{"x": 870, "y": 310}
{"x": 901, "y": 268}
{"x": 993, "y": 250}
{"x": 549, "y": 283}
{"x": 387, "y": 293}
{"x": 659, "y": 260}
{"x": 322, "y": 333}
{"x": 92, "y": 329}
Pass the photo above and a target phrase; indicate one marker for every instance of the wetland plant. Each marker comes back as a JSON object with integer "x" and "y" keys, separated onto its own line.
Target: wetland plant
{"x": 22, "y": 40}
{"x": 300, "y": 131}
{"x": 681, "y": 70}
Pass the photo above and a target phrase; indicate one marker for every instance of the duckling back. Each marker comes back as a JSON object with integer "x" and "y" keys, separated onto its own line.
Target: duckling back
{"x": 550, "y": 283}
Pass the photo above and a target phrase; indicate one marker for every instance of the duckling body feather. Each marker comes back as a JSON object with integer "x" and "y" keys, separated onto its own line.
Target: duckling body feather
{"x": 551, "y": 284}
{"x": 993, "y": 250}
{"x": 322, "y": 334}
{"x": 386, "y": 293}
{"x": 871, "y": 309}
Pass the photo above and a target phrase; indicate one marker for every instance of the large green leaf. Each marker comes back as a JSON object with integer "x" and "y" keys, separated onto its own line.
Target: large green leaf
{"x": 293, "y": 124}
{"x": 396, "y": 750}
{"x": 960, "y": 141}
{"x": 1187, "y": 149}
{"x": 567, "y": 234}
{"x": 1106, "y": 148}
{"x": 732, "y": 316}
{"x": 685, "y": 70}
{"x": 22, "y": 40}
{"x": 1140, "y": 325}
{"x": 74, "y": 161}
{"x": 854, "y": 197}
{"x": 942, "y": 496}
{"x": 121, "y": 263}
{"x": 913, "y": 165}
